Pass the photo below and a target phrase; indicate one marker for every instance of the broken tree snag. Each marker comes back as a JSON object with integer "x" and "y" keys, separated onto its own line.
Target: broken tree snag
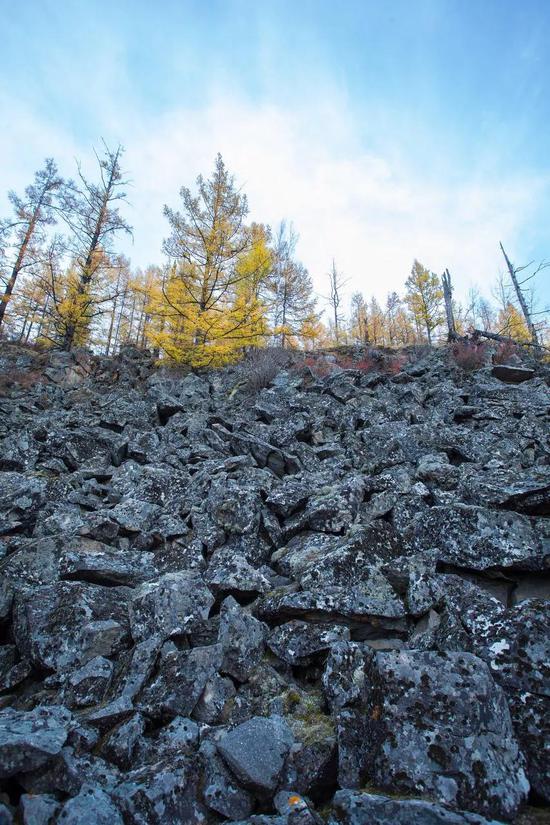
{"x": 448, "y": 298}
{"x": 494, "y": 336}
{"x": 521, "y": 299}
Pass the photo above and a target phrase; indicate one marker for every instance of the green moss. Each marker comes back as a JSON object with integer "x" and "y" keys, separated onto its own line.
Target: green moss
{"x": 305, "y": 716}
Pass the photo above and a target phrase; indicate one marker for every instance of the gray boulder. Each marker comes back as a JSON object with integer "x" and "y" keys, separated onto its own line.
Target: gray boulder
{"x": 356, "y": 808}
{"x": 446, "y": 730}
{"x": 30, "y": 739}
{"x": 256, "y": 751}
{"x": 171, "y": 605}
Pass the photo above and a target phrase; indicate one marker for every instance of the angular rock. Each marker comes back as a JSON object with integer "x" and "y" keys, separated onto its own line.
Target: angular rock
{"x": 297, "y": 642}
{"x": 52, "y": 622}
{"x": 229, "y": 572}
{"x": 214, "y": 700}
{"x": 512, "y": 374}
{"x": 173, "y": 604}
{"x": 344, "y": 680}
{"x": 221, "y": 792}
{"x": 256, "y": 750}
{"x": 242, "y": 639}
{"x": 91, "y": 805}
{"x": 356, "y": 808}
{"x": 446, "y": 731}
{"x": 38, "y": 809}
{"x": 164, "y": 793}
{"x": 98, "y": 563}
{"x": 516, "y": 646}
{"x": 30, "y": 739}
{"x": 180, "y": 681}
{"x": 480, "y": 539}
{"x": 88, "y": 684}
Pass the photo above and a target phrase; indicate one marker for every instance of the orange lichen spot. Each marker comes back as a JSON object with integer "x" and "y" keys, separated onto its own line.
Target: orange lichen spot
{"x": 294, "y": 799}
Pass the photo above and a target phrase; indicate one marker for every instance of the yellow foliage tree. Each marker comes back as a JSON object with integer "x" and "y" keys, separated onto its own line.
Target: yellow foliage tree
{"x": 424, "y": 298}
{"x": 511, "y": 322}
{"x": 210, "y": 304}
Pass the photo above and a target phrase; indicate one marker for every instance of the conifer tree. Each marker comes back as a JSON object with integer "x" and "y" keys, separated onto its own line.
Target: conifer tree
{"x": 210, "y": 303}
{"x": 23, "y": 236}
{"x": 289, "y": 292}
{"x": 91, "y": 212}
{"x": 424, "y": 298}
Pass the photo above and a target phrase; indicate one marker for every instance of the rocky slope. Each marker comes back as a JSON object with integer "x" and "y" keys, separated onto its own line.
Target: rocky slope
{"x": 325, "y": 601}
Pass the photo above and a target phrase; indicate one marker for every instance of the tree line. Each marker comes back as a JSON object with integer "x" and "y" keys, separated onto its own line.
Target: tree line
{"x": 226, "y": 284}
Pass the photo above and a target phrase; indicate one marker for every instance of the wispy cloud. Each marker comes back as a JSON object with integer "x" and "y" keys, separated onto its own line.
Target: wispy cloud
{"x": 371, "y": 211}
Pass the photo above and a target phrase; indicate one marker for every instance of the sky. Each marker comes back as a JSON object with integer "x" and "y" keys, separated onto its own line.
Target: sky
{"x": 385, "y": 130}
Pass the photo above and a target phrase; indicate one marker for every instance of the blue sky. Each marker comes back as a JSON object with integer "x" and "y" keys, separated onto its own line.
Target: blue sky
{"x": 384, "y": 130}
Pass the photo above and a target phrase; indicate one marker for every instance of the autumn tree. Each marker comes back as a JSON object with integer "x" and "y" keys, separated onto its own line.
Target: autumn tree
{"x": 22, "y": 237}
{"x": 210, "y": 302}
{"x": 91, "y": 212}
{"x": 359, "y": 330}
{"x": 289, "y": 292}
{"x": 424, "y": 298}
{"x": 512, "y": 324}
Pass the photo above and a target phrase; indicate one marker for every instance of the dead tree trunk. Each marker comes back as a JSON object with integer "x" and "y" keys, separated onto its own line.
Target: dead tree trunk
{"x": 448, "y": 298}
{"x": 521, "y": 300}
{"x": 505, "y": 339}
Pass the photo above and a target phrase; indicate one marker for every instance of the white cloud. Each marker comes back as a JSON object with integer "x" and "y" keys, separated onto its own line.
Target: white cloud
{"x": 370, "y": 212}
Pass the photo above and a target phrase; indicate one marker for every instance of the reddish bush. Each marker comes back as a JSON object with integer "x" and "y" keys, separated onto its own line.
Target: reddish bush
{"x": 469, "y": 355}
{"x": 345, "y": 362}
{"x": 505, "y": 351}
{"x": 319, "y": 367}
{"x": 366, "y": 364}
{"x": 395, "y": 364}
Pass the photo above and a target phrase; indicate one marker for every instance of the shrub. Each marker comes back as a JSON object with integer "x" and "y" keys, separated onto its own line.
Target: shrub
{"x": 469, "y": 355}
{"x": 260, "y": 366}
{"x": 395, "y": 363}
{"x": 320, "y": 367}
{"x": 505, "y": 352}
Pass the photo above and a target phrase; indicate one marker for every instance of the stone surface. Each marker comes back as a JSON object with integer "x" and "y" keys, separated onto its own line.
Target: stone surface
{"x": 171, "y": 605}
{"x": 354, "y": 808}
{"x": 256, "y": 750}
{"x": 30, "y": 739}
{"x": 449, "y": 732}
{"x": 274, "y": 605}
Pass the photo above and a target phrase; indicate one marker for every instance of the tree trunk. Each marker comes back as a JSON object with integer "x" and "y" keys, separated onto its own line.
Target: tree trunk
{"x": 521, "y": 299}
{"x": 448, "y": 297}
{"x": 18, "y": 265}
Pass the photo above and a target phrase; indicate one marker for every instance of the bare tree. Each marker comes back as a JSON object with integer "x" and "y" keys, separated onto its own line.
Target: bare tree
{"x": 92, "y": 215}
{"x": 335, "y": 298}
{"x": 520, "y": 293}
{"x": 26, "y": 231}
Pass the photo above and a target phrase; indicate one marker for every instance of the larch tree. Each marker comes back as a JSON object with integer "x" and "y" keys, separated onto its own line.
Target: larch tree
{"x": 91, "y": 211}
{"x": 393, "y": 305}
{"x": 207, "y": 321}
{"x": 512, "y": 324}
{"x": 424, "y": 298}
{"x": 376, "y": 323}
{"x": 23, "y": 236}
{"x": 289, "y": 293}
{"x": 359, "y": 321}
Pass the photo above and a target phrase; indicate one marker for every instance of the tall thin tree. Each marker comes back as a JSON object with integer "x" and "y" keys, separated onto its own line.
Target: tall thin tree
{"x": 25, "y": 234}
{"x": 91, "y": 210}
